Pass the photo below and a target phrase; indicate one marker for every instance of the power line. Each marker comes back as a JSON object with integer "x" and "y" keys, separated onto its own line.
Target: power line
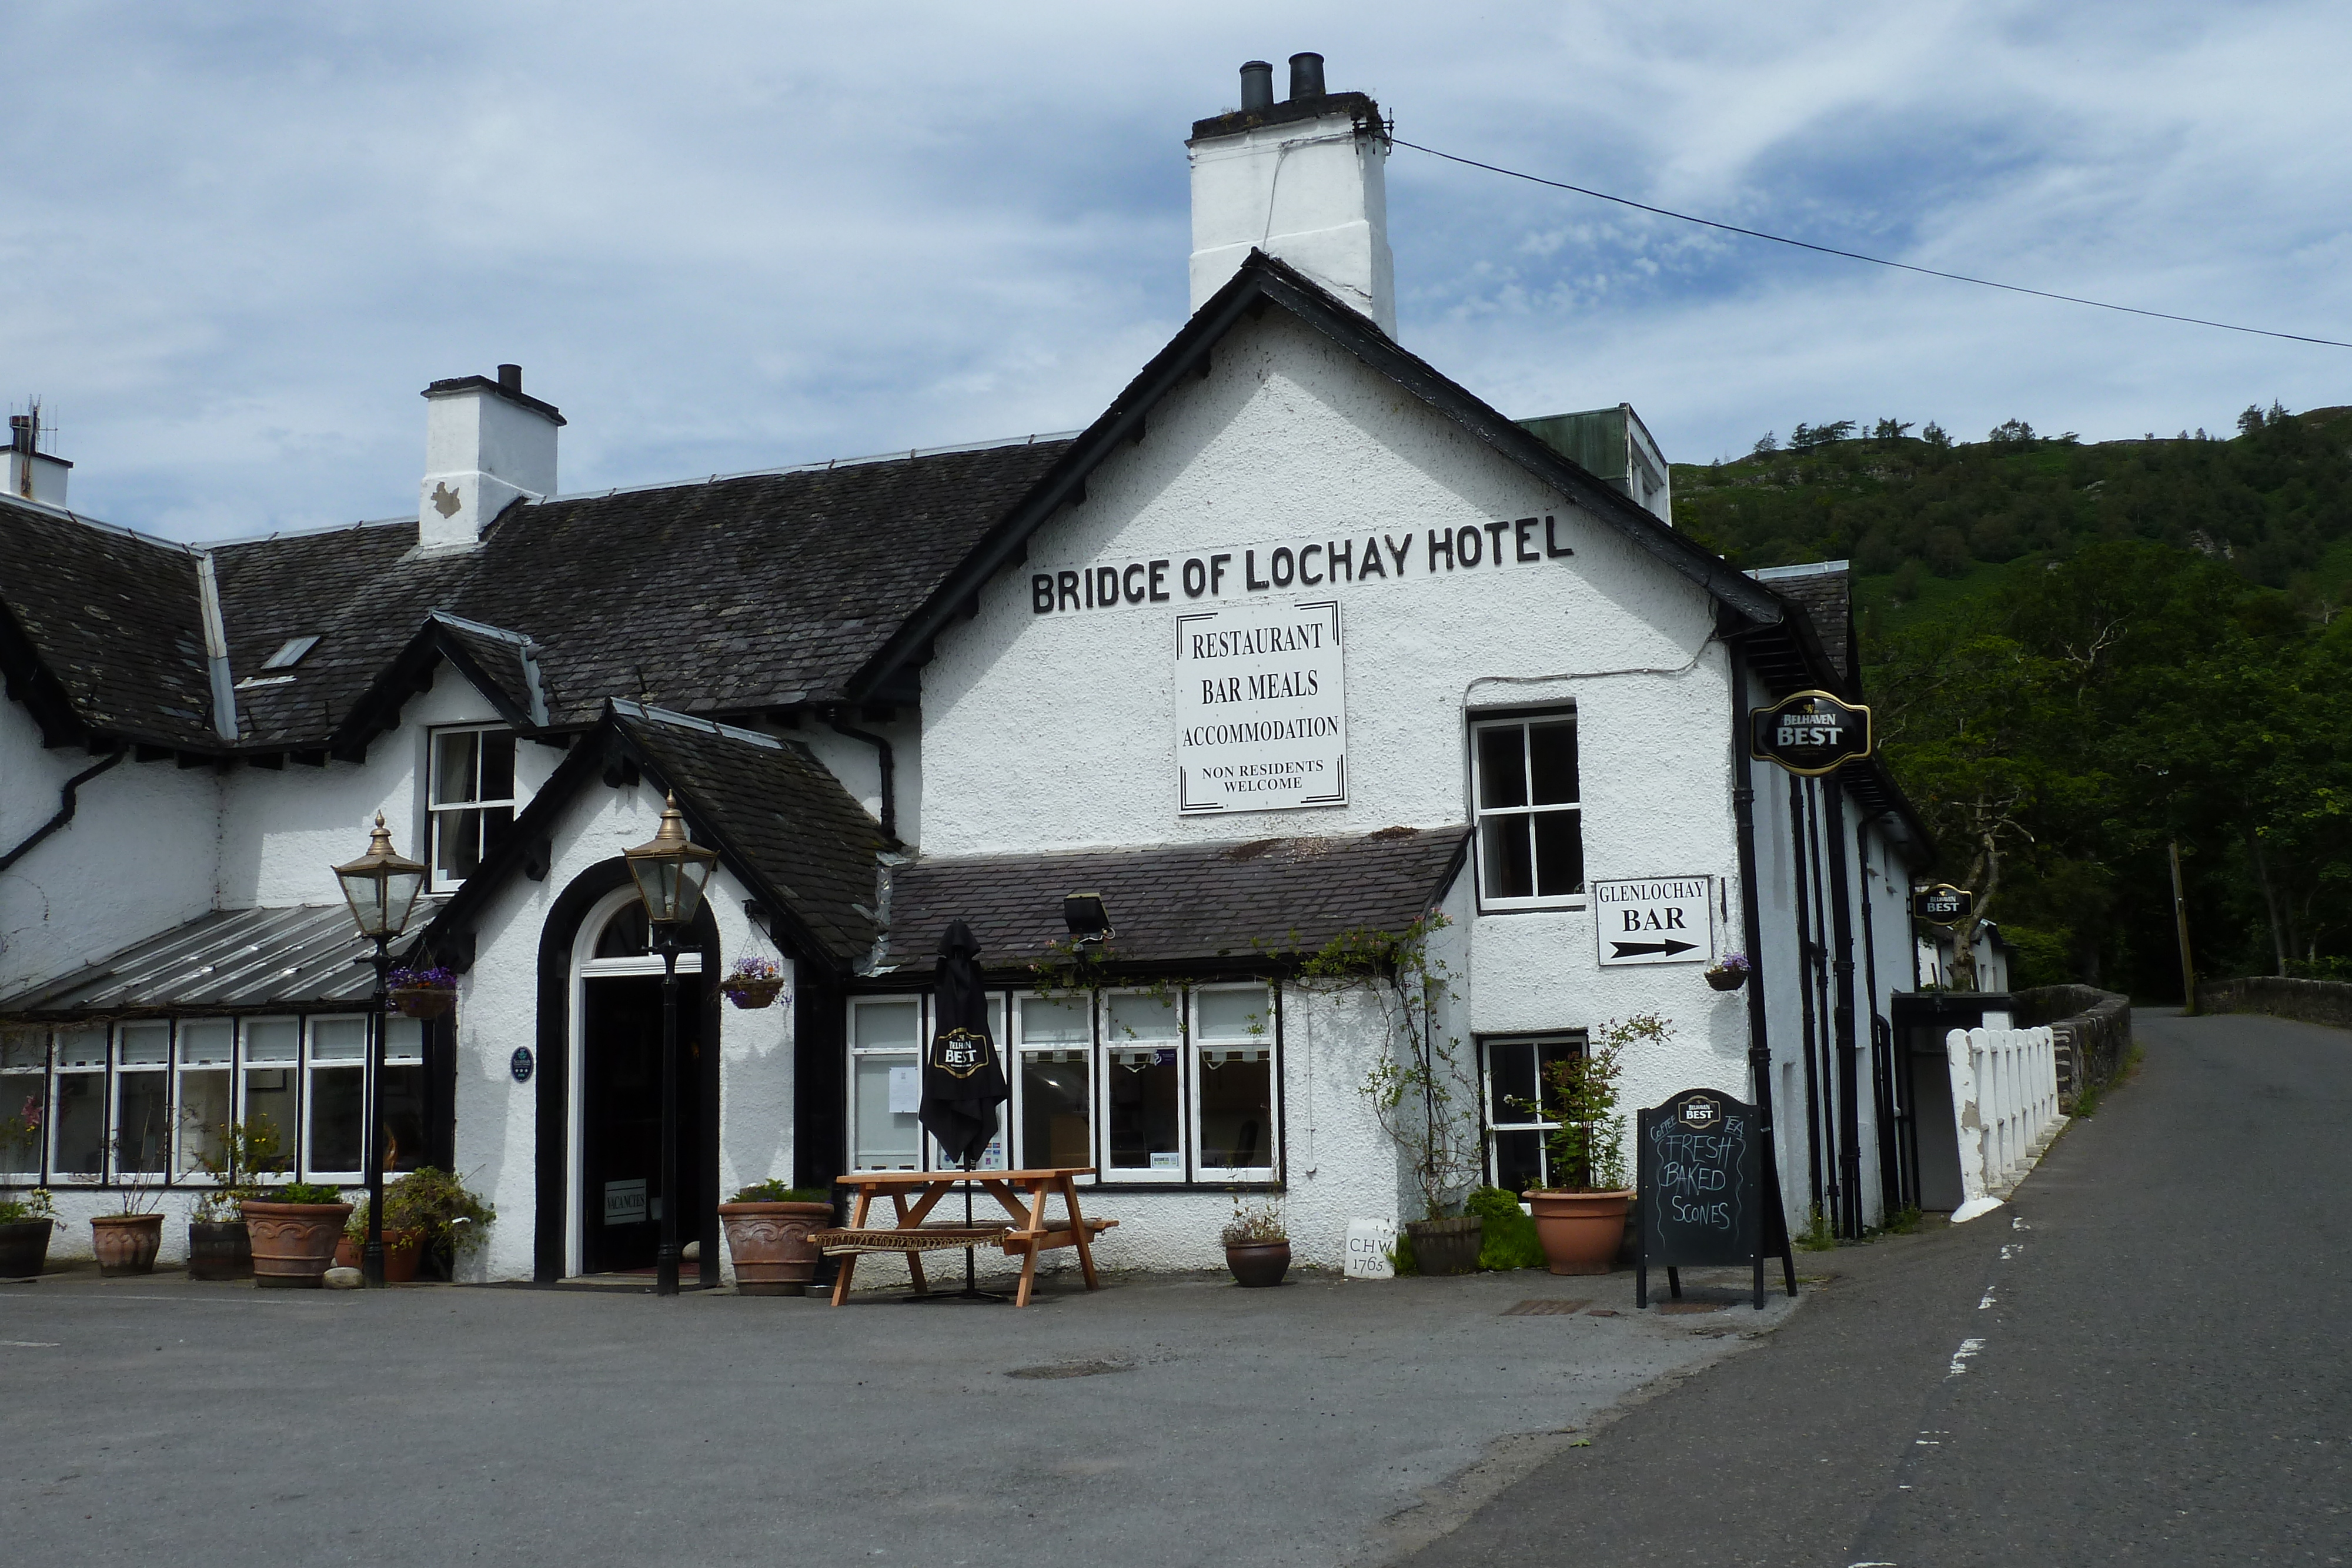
{"x": 1857, "y": 255}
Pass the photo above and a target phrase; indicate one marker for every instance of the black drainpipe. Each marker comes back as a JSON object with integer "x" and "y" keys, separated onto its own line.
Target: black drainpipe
{"x": 887, "y": 767}
{"x": 1759, "y": 1041}
{"x": 65, "y": 807}
{"x": 1841, "y": 1010}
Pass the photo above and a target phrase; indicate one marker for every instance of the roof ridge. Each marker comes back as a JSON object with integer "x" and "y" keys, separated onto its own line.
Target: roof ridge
{"x": 675, "y": 720}
{"x": 820, "y": 465}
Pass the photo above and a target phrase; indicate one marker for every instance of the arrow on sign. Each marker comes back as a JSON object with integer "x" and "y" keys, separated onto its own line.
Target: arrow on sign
{"x": 1635, "y": 949}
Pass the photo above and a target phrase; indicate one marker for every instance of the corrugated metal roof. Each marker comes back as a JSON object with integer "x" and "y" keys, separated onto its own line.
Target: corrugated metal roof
{"x": 231, "y": 959}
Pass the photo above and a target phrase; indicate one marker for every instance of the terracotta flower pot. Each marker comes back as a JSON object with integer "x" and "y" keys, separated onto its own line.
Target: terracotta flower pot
{"x": 752, "y": 993}
{"x": 293, "y": 1243}
{"x": 1447, "y": 1246}
{"x": 1581, "y": 1231}
{"x": 424, "y": 1001}
{"x": 219, "y": 1251}
{"x": 1257, "y": 1264}
{"x": 402, "y": 1248}
{"x": 769, "y": 1244}
{"x": 24, "y": 1248}
{"x": 126, "y": 1243}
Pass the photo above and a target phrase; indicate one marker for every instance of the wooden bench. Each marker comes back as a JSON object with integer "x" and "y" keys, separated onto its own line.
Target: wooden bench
{"x": 914, "y": 1193}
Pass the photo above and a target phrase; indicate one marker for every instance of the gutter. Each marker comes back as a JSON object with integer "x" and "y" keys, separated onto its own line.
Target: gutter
{"x": 888, "y": 765}
{"x": 65, "y": 806}
{"x": 217, "y": 650}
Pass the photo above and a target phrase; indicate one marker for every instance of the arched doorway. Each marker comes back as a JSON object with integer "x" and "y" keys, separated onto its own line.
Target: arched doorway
{"x": 617, "y": 1092}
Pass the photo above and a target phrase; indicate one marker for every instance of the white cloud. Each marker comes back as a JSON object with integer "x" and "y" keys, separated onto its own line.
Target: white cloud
{"x": 730, "y": 235}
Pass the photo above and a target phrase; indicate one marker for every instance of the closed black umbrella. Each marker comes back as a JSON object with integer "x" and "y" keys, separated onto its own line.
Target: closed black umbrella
{"x": 963, "y": 1071}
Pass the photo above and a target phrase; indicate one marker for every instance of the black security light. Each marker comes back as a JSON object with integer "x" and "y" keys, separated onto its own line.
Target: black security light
{"x": 1083, "y": 914}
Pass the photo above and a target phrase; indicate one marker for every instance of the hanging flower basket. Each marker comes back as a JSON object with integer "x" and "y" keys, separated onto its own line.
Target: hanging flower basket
{"x": 1729, "y": 973}
{"x": 422, "y": 993}
{"x": 752, "y": 983}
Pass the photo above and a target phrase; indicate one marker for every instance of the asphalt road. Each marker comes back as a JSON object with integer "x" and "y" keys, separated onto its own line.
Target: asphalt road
{"x": 2142, "y": 1359}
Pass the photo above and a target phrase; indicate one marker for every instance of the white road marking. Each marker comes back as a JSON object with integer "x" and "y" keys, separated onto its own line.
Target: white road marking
{"x": 1969, "y": 1347}
{"x": 1986, "y": 1303}
{"x": 2017, "y": 1223}
{"x": 29, "y": 1344}
{"x": 2010, "y": 1249}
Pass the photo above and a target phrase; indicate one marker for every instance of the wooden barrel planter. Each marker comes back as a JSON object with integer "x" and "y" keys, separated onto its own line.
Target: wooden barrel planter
{"x": 219, "y": 1251}
{"x": 24, "y": 1248}
{"x": 1447, "y": 1246}
{"x": 294, "y": 1243}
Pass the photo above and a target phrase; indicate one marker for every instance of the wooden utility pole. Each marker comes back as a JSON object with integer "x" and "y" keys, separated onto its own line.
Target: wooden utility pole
{"x": 2180, "y": 924}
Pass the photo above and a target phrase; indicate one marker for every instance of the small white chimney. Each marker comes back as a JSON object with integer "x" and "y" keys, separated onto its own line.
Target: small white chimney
{"x": 485, "y": 444}
{"x": 1305, "y": 180}
{"x": 33, "y": 474}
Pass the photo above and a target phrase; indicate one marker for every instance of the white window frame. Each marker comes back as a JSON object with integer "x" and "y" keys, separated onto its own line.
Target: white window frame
{"x": 1576, "y": 1041}
{"x": 20, "y": 1084}
{"x": 1106, "y": 1047}
{"x": 1479, "y": 812}
{"x": 1200, "y": 1045}
{"x": 434, "y": 809}
{"x": 182, "y": 1142}
{"x": 294, "y": 1140}
{"x": 309, "y": 1097}
{"x": 849, "y": 1092}
{"x": 59, "y": 1073}
{"x": 1088, "y": 1051}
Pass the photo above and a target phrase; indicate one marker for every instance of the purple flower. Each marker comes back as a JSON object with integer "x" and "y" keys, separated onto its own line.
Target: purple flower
{"x": 435, "y": 978}
{"x": 752, "y": 970}
{"x": 1732, "y": 963}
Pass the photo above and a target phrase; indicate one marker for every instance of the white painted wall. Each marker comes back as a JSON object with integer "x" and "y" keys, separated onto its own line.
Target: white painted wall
{"x": 1311, "y": 192}
{"x": 481, "y": 451}
{"x": 140, "y": 855}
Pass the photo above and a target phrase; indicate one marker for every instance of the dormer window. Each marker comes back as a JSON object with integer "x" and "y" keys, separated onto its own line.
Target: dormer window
{"x": 470, "y": 798}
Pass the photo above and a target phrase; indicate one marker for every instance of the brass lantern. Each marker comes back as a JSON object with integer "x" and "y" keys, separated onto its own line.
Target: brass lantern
{"x": 671, "y": 870}
{"x": 381, "y": 886}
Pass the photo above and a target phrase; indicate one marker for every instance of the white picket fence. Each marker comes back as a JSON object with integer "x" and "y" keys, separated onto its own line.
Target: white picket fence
{"x": 2004, "y": 1109}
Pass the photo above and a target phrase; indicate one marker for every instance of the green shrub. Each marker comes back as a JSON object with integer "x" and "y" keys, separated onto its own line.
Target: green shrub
{"x": 774, "y": 1190}
{"x": 35, "y": 1205}
{"x": 302, "y": 1192}
{"x": 1511, "y": 1235}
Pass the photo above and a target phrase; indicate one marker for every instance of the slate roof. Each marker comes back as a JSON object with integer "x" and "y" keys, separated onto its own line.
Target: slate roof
{"x": 1195, "y": 903}
{"x": 1824, "y": 590}
{"x": 240, "y": 960}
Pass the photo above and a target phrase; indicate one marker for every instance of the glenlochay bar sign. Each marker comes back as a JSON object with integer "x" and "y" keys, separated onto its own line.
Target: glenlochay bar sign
{"x": 1261, "y": 710}
{"x": 1810, "y": 733}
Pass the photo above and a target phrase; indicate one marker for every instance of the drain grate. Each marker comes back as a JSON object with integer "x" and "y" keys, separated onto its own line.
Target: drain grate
{"x": 1690, "y": 1306}
{"x": 1545, "y": 1307}
{"x": 1071, "y": 1369}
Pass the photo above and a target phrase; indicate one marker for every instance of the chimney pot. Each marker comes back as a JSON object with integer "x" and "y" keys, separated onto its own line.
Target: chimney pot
{"x": 1306, "y": 76}
{"x": 511, "y": 378}
{"x": 1257, "y": 87}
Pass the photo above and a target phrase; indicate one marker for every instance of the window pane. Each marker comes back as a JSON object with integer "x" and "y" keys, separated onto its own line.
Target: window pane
{"x": 339, "y": 1040}
{"x": 207, "y": 1042}
{"x": 24, "y": 1049}
{"x": 884, "y": 1138}
{"x": 81, "y": 1047}
{"x": 1056, "y": 1021}
{"x": 885, "y": 1023}
{"x": 403, "y": 1116}
{"x": 271, "y": 1039}
{"x": 335, "y": 1140}
{"x": 1547, "y": 1053}
{"x": 147, "y": 1043}
{"x": 457, "y": 845}
{"x": 142, "y": 1121}
{"x": 1511, "y": 1081}
{"x": 455, "y": 753}
{"x": 1140, "y": 1086}
{"x": 80, "y": 1126}
{"x": 1559, "y": 853}
{"x": 404, "y": 1040}
{"x": 1235, "y": 1015}
{"x": 271, "y": 1048}
{"x": 23, "y": 1111}
{"x": 495, "y": 824}
{"x": 1518, "y": 1161}
{"x": 1551, "y": 758}
{"x": 203, "y": 1113}
{"x": 628, "y": 934}
{"x": 1238, "y": 1107}
{"x": 1503, "y": 855}
{"x": 497, "y": 765}
{"x": 1502, "y": 768}
{"x": 1056, "y": 1110}
{"x": 1130, "y": 1017}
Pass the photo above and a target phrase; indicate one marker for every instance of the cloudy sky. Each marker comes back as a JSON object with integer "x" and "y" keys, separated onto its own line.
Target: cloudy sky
{"x": 239, "y": 240}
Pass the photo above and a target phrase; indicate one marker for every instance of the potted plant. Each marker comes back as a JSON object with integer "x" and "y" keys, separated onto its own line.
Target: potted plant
{"x": 768, "y": 1224}
{"x": 1729, "y": 972}
{"x": 1257, "y": 1245}
{"x": 447, "y": 1218}
{"x": 402, "y": 1244}
{"x": 127, "y": 1240}
{"x": 753, "y": 982}
{"x": 422, "y": 992}
{"x": 294, "y": 1232}
{"x": 24, "y": 1226}
{"x": 1418, "y": 1091}
{"x": 219, "y": 1247}
{"x": 1581, "y": 1220}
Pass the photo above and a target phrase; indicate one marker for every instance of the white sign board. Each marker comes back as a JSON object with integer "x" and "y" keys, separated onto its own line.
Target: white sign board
{"x": 905, "y": 1091}
{"x": 624, "y": 1202}
{"x": 1261, "y": 711}
{"x": 1655, "y": 920}
{"x": 1369, "y": 1244}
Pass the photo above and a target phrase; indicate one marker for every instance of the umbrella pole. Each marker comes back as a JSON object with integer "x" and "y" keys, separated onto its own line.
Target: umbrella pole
{"x": 972, "y": 1291}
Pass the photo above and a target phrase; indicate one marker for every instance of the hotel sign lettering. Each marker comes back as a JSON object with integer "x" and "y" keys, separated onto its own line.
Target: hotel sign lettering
{"x": 1261, "y": 708}
{"x": 1810, "y": 733}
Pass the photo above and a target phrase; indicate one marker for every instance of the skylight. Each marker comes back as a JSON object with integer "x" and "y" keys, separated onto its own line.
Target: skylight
{"x": 290, "y": 653}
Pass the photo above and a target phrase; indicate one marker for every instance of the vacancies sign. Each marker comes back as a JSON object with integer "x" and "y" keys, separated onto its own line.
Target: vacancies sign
{"x": 1261, "y": 710}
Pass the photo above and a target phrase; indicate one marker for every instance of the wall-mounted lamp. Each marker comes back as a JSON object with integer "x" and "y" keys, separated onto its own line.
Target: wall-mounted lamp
{"x": 1083, "y": 914}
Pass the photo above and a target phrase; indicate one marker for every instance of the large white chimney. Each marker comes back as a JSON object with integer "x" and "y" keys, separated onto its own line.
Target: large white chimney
{"x": 32, "y": 473}
{"x": 1305, "y": 180}
{"x": 485, "y": 444}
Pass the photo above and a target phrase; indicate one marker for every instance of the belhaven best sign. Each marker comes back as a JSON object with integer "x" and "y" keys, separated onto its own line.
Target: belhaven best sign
{"x": 1810, "y": 733}
{"x": 1261, "y": 710}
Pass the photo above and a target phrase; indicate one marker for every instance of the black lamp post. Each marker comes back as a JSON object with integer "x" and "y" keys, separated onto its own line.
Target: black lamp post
{"x": 671, "y": 872}
{"x": 381, "y": 886}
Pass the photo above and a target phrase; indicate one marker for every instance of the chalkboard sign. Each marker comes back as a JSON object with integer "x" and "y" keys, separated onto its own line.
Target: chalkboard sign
{"x": 1700, "y": 1172}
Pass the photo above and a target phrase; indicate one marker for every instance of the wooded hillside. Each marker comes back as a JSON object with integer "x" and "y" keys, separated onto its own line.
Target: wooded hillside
{"x": 2082, "y": 653}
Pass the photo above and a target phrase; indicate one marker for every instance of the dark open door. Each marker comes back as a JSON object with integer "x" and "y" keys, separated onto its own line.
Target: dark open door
{"x": 620, "y": 1147}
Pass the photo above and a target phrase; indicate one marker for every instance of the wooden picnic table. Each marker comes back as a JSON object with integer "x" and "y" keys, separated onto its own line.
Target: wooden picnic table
{"x": 914, "y": 1193}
